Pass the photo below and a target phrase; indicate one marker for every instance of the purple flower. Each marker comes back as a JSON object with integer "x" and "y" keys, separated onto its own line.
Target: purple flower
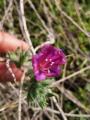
{"x": 46, "y": 63}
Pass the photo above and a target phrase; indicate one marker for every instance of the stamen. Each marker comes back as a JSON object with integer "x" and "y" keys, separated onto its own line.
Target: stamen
{"x": 52, "y": 63}
{"x": 46, "y": 59}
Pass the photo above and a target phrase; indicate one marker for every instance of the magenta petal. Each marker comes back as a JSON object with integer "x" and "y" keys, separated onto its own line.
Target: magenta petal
{"x": 54, "y": 72}
{"x": 53, "y": 53}
{"x": 40, "y": 76}
{"x": 47, "y": 62}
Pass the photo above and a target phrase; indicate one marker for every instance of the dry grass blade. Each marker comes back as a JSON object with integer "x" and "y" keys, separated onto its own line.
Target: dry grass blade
{"x": 26, "y": 32}
{"x": 20, "y": 96}
{"x": 69, "y": 76}
{"x": 72, "y": 98}
{"x": 59, "y": 108}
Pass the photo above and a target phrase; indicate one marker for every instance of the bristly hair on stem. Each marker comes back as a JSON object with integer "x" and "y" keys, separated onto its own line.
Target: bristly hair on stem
{"x": 19, "y": 57}
{"x": 38, "y": 92}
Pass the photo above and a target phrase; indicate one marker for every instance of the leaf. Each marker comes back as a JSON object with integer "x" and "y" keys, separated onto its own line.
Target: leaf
{"x": 39, "y": 92}
{"x": 19, "y": 57}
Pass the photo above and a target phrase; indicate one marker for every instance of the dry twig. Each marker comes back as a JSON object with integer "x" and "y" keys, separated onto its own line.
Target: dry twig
{"x": 69, "y": 76}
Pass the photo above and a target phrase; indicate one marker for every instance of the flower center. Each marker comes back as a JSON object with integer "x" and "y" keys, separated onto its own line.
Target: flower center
{"x": 46, "y": 65}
